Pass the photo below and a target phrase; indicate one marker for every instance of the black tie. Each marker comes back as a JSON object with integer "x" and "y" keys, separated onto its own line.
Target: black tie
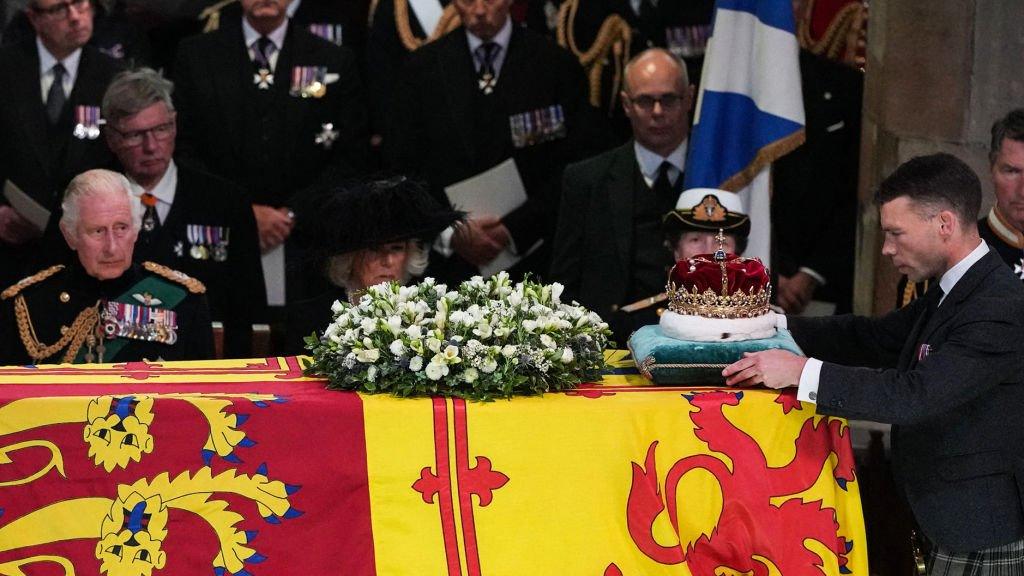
{"x": 264, "y": 50}
{"x": 664, "y": 191}
{"x": 486, "y": 76}
{"x": 56, "y": 98}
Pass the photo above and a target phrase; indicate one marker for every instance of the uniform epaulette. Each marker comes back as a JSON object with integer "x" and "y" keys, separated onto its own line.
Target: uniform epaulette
{"x": 20, "y": 285}
{"x": 643, "y": 304}
{"x": 194, "y": 286}
{"x": 211, "y": 15}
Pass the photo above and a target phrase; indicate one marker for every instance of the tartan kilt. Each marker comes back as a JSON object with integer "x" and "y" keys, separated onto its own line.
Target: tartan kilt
{"x": 1005, "y": 560}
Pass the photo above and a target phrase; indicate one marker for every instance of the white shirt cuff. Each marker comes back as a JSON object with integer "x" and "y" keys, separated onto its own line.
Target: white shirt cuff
{"x": 443, "y": 242}
{"x": 809, "y": 377}
{"x": 813, "y": 274}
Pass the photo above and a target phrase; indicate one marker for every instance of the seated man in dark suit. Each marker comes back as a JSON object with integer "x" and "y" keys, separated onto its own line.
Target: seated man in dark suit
{"x": 100, "y": 307}
{"x": 50, "y": 90}
{"x": 475, "y": 98}
{"x": 193, "y": 221}
{"x": 947, "y": 371}
{"x": 609, "y": 248}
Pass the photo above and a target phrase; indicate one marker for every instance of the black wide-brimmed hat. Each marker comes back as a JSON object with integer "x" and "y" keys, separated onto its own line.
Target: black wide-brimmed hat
{"x": 708, "y": 210}
{"x": 367, "y": 213}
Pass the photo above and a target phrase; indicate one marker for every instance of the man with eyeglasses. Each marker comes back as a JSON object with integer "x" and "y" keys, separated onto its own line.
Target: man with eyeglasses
{"x": 474, "y": 98}
{"x": 192, "y": 221}
{"x": 50, "y": 91}
{"x": 270, "y": 106}
{"x": 609, "y": 247}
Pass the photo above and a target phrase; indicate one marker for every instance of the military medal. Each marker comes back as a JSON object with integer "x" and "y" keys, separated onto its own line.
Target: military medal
{"x": 327, "y": 136}
{"x": 140, "y": 323}
{"x": 309, "y": 81}
{"x": 149, "y": 217}
{"x": 330, "y": 32}
{"x": 537, "y": 126}
{"x": 263, "y": 79}
{"x": 486, "y": 82}
{"x": 195, "y": 240}
{"x": 87, "y": 122}
{"x": 179, "y": 249}
{"x": 220, "y": 244}
{"x": 688, "y": 41}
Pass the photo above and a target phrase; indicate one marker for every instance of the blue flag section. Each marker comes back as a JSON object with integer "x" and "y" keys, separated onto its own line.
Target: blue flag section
{"x": 750, "y": 109}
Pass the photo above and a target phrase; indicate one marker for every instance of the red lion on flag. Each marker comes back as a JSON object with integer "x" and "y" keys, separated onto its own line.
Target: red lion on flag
{"x": 734, "y": 543}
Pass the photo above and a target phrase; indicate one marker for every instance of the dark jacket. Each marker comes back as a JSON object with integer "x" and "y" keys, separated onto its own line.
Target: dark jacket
{"x": 958, "y": 442}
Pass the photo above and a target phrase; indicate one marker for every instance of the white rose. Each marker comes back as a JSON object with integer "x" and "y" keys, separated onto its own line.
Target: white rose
{"x": 436, "y": 371}
{"x": 547, "y": 341}
{"x": 368, "y": 325}
{"x": 371, "y": 373}
{"x": 508, "y": 351}
{"x": 368, "y": 355}
{"x": 397, "y": 348}
{"x": 414, "y": 331}
{"x": 416, "y": 363}
{"x": 470, "y": 375}
{"x": 567, "y": 356}
{"x": 433, "y": 344}
{"x": 337, "y": 306}
{"x": 483, "y": 330}
{"x": 529, "y": 325}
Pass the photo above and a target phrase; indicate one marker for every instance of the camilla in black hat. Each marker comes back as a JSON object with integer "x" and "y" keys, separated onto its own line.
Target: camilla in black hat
{"x": 364, "y": 233}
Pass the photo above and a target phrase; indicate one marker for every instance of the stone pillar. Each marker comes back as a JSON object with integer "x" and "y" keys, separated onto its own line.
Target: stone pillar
{"x": 938, "y": 74}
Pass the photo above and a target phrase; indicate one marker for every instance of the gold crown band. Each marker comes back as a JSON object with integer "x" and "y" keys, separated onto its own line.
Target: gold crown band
{"x": 711, "y": 305}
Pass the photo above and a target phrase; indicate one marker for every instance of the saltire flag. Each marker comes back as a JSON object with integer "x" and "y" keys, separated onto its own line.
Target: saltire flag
{"x": 750, "y": 108}
{"x": 248, "y": 468}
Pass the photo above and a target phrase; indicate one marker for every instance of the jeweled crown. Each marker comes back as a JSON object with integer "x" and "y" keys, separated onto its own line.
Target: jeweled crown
{"x": 719, "y": 285}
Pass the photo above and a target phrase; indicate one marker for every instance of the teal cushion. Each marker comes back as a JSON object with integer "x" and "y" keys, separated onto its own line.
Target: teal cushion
{"x": 666, "y": 360}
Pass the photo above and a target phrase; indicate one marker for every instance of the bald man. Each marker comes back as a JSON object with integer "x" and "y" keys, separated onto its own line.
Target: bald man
{"x": 609, "y": 248}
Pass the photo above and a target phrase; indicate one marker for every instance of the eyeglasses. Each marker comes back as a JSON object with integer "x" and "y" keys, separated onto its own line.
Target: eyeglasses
{"x": 646, "y": 103}
{"x": 61, "y": 10}
{"x": 160, "y": 132}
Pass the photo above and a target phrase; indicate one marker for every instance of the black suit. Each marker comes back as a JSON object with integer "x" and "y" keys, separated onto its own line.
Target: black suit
{"x": 814, "y": 205}
{"x": 606, "y": 252}
{"x": 265, "y": 140}
{"x": 36, "y": 157}
{"x": 958, "y": 442}
{"x": 443, "y": 128}
{"x": 234, "y": 286}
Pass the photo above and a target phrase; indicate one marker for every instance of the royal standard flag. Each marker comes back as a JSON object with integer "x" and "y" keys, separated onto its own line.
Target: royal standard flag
{"x": 248, "y": 468}
{"x": 750, "y": 108}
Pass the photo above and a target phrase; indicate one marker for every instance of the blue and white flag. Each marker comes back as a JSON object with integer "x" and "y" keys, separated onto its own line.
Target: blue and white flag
{"x": 750, "y": 110}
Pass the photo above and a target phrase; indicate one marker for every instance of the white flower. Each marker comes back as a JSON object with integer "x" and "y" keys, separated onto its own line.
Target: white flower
{"x": 369, "y": 325}
{"x": 433, "y": 344}
{"x": 470, "y": 375}
{"x": 483, "y": 330}
{"x": 547, "y": 341}
{"x": 395, "y": 325}
{"x": 489, "y": 365}
{"x": 567, "y": 356}
{"x": 502, "y": 332}
{"x": 556, "y": 292}
{"x": 416, "y": 345}
{"x": 414, "y": 331}
{"x": 416, "y": 363}
{"x": 508, "y": 351}
{"x": 436, "y": 371}
{"x": 337, "y": 307}
{"x": 371, "y": 373}
{"x": 515, "y": 298}
{"x": 529, "y": 325}
{"x": 451, "y": 355}
{"x": 397, "y": 348}
{"x": 367, "y": 356}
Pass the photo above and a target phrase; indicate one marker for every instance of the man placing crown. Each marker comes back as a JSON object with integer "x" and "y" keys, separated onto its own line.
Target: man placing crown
{"x": 946, "y": 370}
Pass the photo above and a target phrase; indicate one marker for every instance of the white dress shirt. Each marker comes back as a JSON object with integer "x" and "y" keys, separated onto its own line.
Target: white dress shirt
{"x": 164, "y": 191}
{"x": 501, "y": 39}
{"x": 811, "y": 374}
{"x": 277, "y": 37}
{"x": 46, "y": 63}
{"x": 650, "y": 162}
